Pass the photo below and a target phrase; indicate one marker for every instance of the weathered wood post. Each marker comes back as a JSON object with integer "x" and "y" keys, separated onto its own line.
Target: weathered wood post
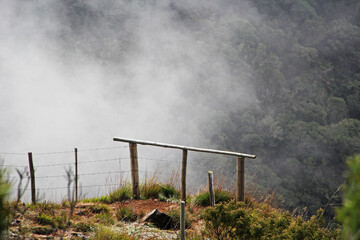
{"x": 32, "y": 178}
{"x": 182, "y": 220}
{"x": 183, "y": 175}
{"x": 211, "y": 189}
{"x": 240, "y": 181}
{"x": 76, "y": 174}
{"x": 134, "y": 170}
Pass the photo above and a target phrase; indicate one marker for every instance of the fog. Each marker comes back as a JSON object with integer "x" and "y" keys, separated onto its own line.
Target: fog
{"x": 78, "y": 73}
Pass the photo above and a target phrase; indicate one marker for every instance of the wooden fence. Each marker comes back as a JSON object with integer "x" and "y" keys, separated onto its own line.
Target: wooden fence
{"x": 240, "y": 179}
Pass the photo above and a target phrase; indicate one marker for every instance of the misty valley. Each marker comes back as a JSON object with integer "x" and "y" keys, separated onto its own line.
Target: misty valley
{"x": 277, "y": 79}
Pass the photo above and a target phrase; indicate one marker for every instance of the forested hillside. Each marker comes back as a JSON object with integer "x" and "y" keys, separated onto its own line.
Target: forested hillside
{"x": 275, "y": 78}
{"x": 306, "y": 55}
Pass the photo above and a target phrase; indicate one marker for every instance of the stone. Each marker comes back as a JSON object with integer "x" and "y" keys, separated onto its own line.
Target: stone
{"x": 160, "y": 220}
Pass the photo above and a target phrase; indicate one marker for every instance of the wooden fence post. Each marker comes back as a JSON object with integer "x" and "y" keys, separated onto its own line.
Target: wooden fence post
{"x": 76, "y": 174}
{"x": 182, "y": 220}
{"x": 32, "y": 178}
{"x": 183, "y": 175}
{"x": 134, "y": 170}
{"x": 211, "y": 189}
{"x": 240, "y": 181}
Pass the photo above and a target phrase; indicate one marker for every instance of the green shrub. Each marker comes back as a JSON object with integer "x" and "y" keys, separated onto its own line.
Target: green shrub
{"x": 203, "y": 199}
{"x": 349, "y": 214}
{"x": 126, "y": 214}
{"x": 260, "y": 221}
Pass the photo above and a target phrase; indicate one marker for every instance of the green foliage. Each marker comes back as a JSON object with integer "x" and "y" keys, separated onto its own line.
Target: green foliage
{"x": 203, "y": 199}
{"x": 126, "y": 214}
{"x": 251, "y": 220}
{"x": 349, "y": 214}
{"x": 4, "y": 207}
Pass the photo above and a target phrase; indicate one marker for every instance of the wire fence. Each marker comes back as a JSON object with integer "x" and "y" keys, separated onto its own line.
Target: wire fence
{"x": 99, "y": 170}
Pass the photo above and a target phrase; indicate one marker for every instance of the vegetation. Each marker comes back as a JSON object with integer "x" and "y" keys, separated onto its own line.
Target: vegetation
{"x": 228, "y": 220}
{"x": 252, "y": 220}
{"x": 279, "y": 79}
{"x": 126, "y": 214}
{"x": 104, "y": 233}
{"x": 4, "y": 208}
{"x": 349, "y": 214}
{"x": 282, "y": 81}
{"x": 221, "y": 195}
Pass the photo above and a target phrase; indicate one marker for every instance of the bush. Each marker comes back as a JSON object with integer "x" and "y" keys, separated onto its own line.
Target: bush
{"x": 349, "y": 214}
{"x": 260, "y": 221}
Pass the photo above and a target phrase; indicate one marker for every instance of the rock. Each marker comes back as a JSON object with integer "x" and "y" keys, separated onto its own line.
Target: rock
{"x": 159, "y": 219}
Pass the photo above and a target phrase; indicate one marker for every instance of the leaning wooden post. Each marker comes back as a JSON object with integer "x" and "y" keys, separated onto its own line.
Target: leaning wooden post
{"x": 134, "y": 170}
{"x": 32, "y": 178}
{"x": 240, "y": 181}
{"x": 182, "y": 220}
{"x": 211, "y": 189}
{"x": 76, "y": 174}
{"x": 183, "y": 175}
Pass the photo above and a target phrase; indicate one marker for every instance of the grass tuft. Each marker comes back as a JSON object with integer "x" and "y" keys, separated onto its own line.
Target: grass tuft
{"x": 45, "y": 219}
{"x": 126, "y": 214}
{"x": 99, "y": 209}
{"x": 106, "y": 219}
{"x": 121, "y": 194}
{"x": 84, "y": 227}
{"x": 203, "y": 199}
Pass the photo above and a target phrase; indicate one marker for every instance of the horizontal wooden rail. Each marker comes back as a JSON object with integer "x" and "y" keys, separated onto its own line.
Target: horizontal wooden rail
{"x": 165, "y": 145}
